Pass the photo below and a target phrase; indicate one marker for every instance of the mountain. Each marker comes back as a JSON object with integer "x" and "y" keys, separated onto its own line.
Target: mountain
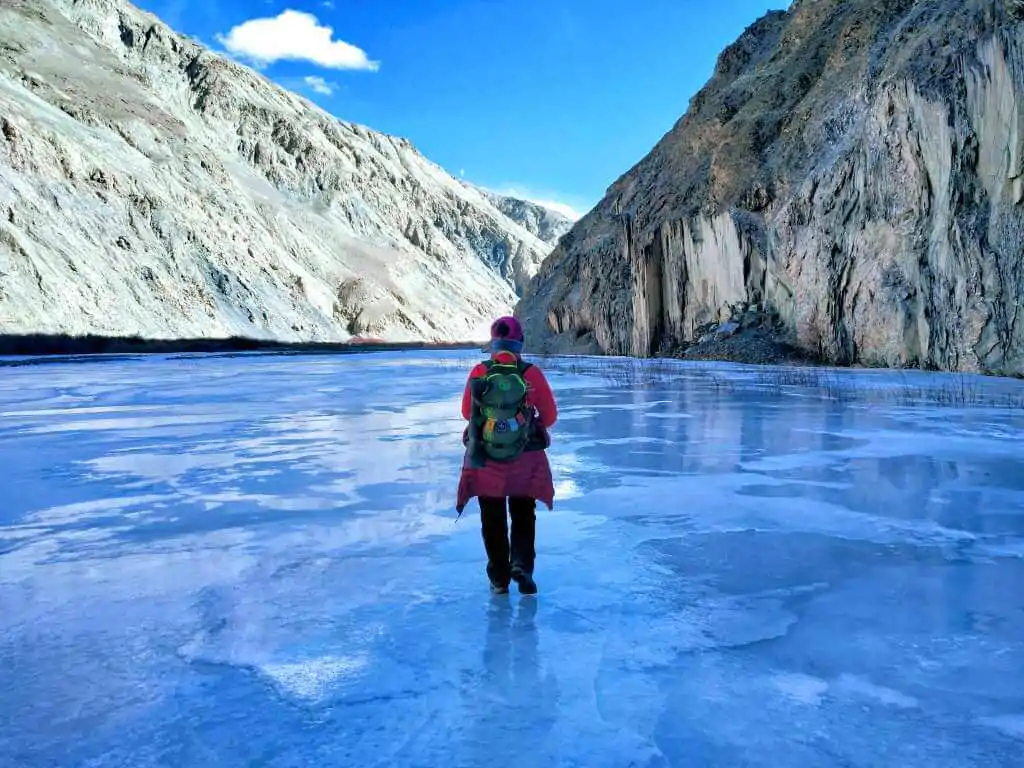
{"x": 151, "y": 187}
{"x": 545, "y": 223}
{"x": 855, "y": 166}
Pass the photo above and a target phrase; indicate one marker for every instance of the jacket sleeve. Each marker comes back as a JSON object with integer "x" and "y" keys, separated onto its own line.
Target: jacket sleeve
{"x": 541, "y": 396}
{"x": 467, "y": 397}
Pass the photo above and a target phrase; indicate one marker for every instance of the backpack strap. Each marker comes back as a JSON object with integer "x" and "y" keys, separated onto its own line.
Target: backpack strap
{"x": 521, "y": 365}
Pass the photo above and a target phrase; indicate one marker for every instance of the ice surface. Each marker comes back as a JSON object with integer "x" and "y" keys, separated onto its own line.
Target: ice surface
{"x": 253, "y": 560}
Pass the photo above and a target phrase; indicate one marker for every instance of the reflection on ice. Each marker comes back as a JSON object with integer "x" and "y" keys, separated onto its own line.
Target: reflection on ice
{"x": 235, "y": 561}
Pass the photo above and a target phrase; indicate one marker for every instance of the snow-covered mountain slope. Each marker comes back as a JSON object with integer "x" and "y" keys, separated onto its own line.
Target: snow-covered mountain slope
{"x": 547, "y": 224}
{"x": 148, "y": 186}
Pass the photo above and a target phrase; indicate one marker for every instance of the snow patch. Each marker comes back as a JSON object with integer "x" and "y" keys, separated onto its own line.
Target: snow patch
{"x": 313, "y": 679}
{"x": 858, "y": 686}
{"x": 1011, "y": 725}
{"x": 801, "y": 688}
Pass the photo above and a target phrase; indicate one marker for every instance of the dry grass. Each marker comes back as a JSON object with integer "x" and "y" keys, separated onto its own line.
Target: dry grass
{"x": 951, "y": 390}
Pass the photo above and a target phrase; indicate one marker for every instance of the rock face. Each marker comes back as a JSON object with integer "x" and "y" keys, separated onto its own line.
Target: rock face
{"x": 148, "y": 186}
{"x": 545, "y": 223}
{"x": 857, "y": 166}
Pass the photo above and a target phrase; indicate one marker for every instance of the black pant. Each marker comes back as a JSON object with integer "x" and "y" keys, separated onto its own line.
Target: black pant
{"x": 502, "y": 552}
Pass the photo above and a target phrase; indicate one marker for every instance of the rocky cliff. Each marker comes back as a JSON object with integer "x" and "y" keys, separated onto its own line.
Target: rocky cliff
{"x": 148, "y": 186}
{"x": 856, "y": 166}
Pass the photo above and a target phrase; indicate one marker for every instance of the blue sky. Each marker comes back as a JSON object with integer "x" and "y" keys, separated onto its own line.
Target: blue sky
{"x": 549, "y": 99}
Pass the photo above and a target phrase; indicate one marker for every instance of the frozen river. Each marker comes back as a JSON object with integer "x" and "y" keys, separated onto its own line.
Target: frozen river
{"x": 240, "y": 561}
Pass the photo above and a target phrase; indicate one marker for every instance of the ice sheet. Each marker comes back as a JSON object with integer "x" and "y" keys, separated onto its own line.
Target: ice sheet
{"x": 242, "y": 560}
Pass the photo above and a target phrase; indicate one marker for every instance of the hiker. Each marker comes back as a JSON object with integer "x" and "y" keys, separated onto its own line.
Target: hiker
{"x": 510, "y": 408}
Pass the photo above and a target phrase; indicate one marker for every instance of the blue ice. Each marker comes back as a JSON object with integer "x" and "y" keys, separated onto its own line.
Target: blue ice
{"x": 254, "y": 561}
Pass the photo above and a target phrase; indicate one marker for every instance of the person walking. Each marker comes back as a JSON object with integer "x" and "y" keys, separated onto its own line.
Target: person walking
{"x": 510, "y": 408}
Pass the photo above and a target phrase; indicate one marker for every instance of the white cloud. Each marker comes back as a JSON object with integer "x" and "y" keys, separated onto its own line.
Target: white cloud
{"x": 319, "y": 85}
{"x": 294, "y": 36}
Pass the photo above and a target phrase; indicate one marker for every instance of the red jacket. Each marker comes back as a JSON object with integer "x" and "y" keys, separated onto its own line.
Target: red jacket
{"x": 539, "y": 393}
{"x": 530, "y": 474}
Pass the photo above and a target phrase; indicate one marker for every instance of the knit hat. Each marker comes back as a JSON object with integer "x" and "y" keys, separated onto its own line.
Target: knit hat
{"x": 506, "y": 335}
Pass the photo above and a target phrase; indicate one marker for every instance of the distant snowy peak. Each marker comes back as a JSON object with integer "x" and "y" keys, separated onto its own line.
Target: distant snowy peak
{"x": 151, "y": 187}
{"x": 540, "y": 220}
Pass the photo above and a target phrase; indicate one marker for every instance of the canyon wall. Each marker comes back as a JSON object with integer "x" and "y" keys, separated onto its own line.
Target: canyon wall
{"x": 855, "y": 166}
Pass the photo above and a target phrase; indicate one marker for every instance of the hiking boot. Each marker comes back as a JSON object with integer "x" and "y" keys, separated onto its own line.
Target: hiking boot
{"x": 499, "y": 589}
{"x": 527, "y": 585}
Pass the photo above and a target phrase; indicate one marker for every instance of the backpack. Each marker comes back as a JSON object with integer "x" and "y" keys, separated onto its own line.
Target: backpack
{"x": 501, "y": 413}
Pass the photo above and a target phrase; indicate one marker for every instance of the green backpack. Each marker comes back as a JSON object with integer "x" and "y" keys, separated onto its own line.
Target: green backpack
{"x": 501, "y": 414}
